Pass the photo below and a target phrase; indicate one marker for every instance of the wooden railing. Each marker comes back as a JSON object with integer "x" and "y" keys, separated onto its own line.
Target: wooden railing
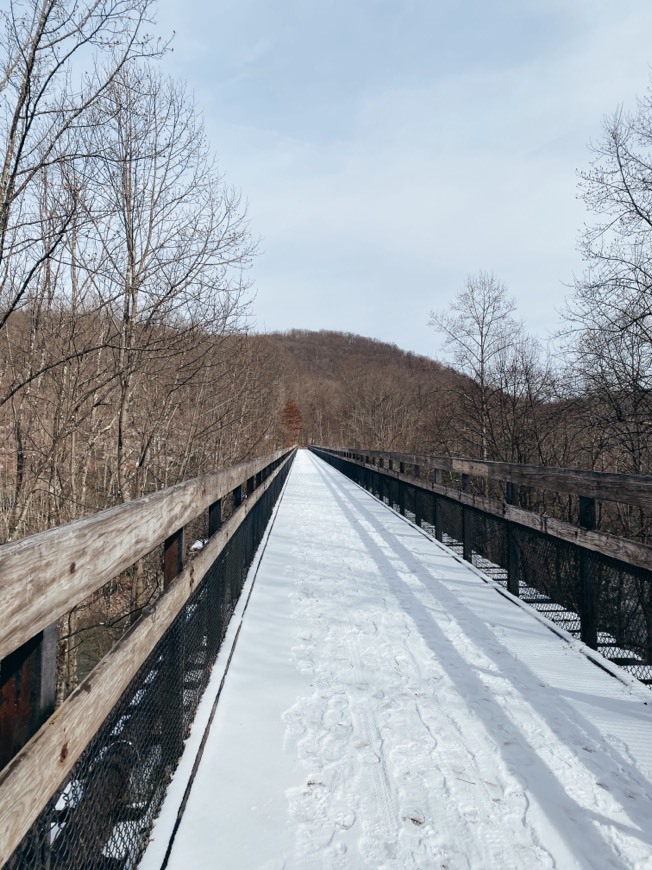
{"x": 43, "y": 576}
{"x": 595, "y": 585}
{"x": 589, "y": 487}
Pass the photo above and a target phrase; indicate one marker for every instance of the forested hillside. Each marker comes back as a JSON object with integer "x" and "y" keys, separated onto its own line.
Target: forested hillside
{"x": 354, "y": 390}
{"x": 508, "y": 401}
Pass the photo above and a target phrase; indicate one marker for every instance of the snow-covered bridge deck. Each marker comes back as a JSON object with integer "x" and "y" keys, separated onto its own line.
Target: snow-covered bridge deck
{"x": 386, "y": 706}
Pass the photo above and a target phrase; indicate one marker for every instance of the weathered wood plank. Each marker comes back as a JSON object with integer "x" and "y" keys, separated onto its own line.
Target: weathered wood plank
{"x": 633, "y": 489}
{"x": 622, "y": 549}
{"x": 33, "y": 776}
{"x": 45, "y": 575}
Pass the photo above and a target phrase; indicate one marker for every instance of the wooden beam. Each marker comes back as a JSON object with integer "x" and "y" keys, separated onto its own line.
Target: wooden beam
{"x": 33, "y": 776}
{"x": 45, "y": 575}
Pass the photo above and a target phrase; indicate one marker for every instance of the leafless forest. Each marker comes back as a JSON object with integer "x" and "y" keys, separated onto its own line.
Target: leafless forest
{"x": 125, "y": 360}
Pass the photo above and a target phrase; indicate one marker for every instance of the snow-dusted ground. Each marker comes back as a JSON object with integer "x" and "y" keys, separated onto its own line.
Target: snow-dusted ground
{"x": 388, "y": 707}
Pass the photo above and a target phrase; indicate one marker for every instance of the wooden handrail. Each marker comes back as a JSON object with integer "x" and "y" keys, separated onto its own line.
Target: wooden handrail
{"x": 622, "y": 549}
{"x": 44, "y": 575}
{"x": 632, "y": 489}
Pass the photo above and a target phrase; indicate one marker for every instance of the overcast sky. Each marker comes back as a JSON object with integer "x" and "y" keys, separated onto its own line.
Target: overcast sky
{"x": 389, "y": 148}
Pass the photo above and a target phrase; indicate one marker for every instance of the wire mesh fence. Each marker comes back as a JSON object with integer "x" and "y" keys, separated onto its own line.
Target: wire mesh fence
{"x": 606, "y": 602}
{"x": 101, "y": 816}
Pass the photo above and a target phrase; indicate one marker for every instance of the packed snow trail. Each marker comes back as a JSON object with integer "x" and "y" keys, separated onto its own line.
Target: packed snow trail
{"x": 387, "y": 707}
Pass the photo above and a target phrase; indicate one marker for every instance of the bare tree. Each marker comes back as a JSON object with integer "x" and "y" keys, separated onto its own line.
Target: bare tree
{"x": 521, "y": 424}
{"x": 611, "y": 310}
{"x": 478, "y": 329}
{"x": 167, "y": 243}
{"x": 57, "y": 57}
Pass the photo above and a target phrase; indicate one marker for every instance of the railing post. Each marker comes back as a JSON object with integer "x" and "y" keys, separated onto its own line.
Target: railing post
{"x": 172, "y": 691}
{"x": 438, "y": 528}
{"x": 28, "y": 682}
{"x": 417, "y": 497}
{"x": 401, "y": 489}
{"x": 214, "y": 517}
{"x": 467, "y": 549}
{"x": 172, "y": 557}
{"x": 513, "y": 549}
{"x": 439, "y": 534}
{"x": 588, "y": 604}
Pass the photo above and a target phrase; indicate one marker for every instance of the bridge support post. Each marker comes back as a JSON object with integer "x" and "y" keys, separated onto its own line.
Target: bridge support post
{"x": 28, "y": 682}
{"x": 588, "y": 608}
{"x": 513, "y": 549}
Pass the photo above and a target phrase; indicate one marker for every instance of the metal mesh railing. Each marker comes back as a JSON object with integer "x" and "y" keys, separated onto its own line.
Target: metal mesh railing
{"x": 571, "y": 585}
{"x": 101, "y": 816}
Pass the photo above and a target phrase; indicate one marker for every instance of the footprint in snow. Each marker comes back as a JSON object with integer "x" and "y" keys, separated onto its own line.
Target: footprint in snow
{"x": 416, "y": 817}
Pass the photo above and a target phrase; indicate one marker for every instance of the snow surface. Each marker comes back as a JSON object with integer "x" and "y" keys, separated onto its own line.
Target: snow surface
{"x": 388, "y": 706}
